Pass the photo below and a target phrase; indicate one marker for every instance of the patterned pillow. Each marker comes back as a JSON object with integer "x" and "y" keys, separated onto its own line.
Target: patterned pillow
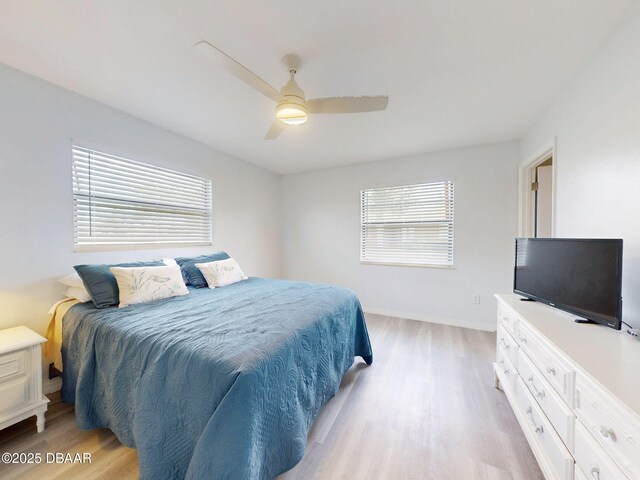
{"x": 145, "y": 284}
{"x": 221, "y": 272}
{"x": 101, "y": 284}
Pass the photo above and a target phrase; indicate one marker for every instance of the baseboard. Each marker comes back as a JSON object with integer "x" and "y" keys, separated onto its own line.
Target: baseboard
{"x": 51, "y": 385}
{"x": 431, "y": 319}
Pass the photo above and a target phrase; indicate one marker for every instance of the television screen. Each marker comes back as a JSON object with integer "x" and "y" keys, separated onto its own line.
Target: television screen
{"x": 581, "y": 276}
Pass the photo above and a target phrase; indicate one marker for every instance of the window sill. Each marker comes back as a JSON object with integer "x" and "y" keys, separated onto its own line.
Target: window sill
{"x": 400, "y": 264}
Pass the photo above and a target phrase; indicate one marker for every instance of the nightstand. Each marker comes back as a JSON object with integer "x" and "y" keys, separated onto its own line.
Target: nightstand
{"x": 21, "y": 377}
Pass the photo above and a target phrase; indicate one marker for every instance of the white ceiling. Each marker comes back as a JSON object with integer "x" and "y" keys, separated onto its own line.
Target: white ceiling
{"x": 457, "y": 72}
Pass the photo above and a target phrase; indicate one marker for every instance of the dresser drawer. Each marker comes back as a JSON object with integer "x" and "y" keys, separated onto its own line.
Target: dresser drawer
{"x": 507, "y": 319}
{"x": 578, "y": 475}
{"x": 591, "y": 460}
{"x": 15, "y": 394}
{"x": 508, "y": 345}
{"x": 555, "y": 409}
{"x": 618, "y": 434}
{"x": 508, "y": 373}
{"x": 13, "y": 364}
{"x": 558, "y": 457}
{"x": 557, "y": 372}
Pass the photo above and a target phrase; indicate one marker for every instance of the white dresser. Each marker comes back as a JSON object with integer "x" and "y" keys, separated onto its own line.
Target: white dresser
{"x": 574, "y": 388}
{"x": 21, "y": 377}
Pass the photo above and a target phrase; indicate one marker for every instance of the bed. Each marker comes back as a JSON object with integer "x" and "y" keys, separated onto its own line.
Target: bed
{"x": 217, "y": 384}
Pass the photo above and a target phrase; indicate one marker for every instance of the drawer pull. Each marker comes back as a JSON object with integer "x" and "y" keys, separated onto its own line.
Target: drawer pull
{"x": 539, "y": 429}
{"x": 595, "y": 472}
{"x": 607, "y": 432}
{"x": 538, "y": 393}
{"x": 523, "y": 340}
{"x": 505, "y": 345}
{"x": 551, "y": 371}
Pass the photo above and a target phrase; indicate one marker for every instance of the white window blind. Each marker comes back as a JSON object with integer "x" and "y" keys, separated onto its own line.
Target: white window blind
{"x": 411, "y": 224}
{"x": 118, "y": 202}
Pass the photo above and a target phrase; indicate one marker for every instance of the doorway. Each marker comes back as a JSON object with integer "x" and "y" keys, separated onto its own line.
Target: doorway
{"x": 543, "y": 199}
{"x": 537, "y": 195}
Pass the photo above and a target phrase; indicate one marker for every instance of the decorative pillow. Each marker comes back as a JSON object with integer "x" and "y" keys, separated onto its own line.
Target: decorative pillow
{"x": 79, "y": 294}
{"x": 172, "y": 261}
{"x": 101, "y": 284}
{"x": 169, "y": 261}
{"x": 192, "y": 273}
{"x": 145, "y": 284}
{"x": 72, "y": 280}
{"x": 221, "y": 272}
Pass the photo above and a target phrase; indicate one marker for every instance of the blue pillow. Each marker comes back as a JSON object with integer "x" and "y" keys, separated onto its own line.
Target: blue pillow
{"x": 194, "y": 276}
{"x": 102, "y": 285}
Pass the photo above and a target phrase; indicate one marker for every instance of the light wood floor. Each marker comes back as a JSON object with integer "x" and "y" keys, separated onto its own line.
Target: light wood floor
{"x": 426, "y": 409}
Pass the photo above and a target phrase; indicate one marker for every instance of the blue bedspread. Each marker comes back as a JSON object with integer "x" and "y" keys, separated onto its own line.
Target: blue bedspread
{"x": 217, "y": 384}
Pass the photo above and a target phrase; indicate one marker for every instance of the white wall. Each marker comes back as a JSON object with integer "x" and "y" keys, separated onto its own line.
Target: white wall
{"x": 597, "y": 124}
{"x": 321, "y": 231}
{"x": 37, "y": 122}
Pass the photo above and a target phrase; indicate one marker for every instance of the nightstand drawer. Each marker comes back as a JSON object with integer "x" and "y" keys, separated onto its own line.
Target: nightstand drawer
{"x": 21, "y": 377}
{"x": 15, "y": 395}
{"x": 13, "y": 365}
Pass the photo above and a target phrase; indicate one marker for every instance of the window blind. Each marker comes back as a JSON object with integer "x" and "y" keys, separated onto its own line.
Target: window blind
{"x": 120, "y": 202}
{"x": 411, "y": 224}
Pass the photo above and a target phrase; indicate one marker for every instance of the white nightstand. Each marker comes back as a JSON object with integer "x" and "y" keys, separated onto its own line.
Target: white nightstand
{"x": 21, "y": 377}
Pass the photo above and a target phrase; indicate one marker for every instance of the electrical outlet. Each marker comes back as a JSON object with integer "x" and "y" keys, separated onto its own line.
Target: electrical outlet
{"x": 476, "y": 300}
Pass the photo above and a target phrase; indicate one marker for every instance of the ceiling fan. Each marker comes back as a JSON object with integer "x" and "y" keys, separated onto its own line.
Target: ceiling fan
{"x": 292, "y": 108}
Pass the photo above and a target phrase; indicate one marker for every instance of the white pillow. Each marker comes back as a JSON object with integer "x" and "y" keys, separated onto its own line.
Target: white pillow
{"x": 79, "y": 294}
{"x": 72, "y": 280}
{"x": 172, "y": 261}
{"x": 221, "y": 272}
{"x": 145, "y": 284}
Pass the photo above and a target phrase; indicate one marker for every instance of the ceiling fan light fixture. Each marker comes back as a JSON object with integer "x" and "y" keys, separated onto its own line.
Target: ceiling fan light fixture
{"x": 292, "y": 113}
{"x": 292, "y": 108}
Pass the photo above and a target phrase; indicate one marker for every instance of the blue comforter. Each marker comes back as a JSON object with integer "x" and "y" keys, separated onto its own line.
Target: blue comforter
{"x": 217, "y": 384}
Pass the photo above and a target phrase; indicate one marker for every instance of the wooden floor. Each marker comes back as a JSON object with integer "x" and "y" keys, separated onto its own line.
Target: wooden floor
{"x": 426, "y": 409}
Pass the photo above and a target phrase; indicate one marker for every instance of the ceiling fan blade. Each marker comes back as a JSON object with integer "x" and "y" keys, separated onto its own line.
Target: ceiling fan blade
{"x": 237, "y": 70}
{"x": 347, "y": 104}
{"x": 277, "y": 127}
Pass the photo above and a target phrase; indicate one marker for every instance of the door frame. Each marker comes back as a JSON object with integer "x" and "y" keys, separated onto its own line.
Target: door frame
{"x": 526, "y": 196}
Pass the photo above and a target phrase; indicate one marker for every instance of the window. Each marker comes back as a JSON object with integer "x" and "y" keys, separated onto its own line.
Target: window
{"x": 118, "y": 202}
{"x": 411, "y": 225}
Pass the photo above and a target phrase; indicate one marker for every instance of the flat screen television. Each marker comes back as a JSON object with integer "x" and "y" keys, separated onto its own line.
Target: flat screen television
{"x": 580, "y": 276}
